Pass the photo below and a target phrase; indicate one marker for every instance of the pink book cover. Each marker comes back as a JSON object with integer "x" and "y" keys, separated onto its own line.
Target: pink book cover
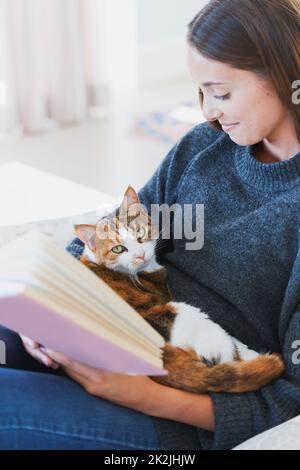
{"x": 32, "y": 319}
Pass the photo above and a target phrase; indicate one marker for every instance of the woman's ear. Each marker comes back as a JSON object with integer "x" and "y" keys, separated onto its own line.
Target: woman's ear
{"x": 87, "y": 234}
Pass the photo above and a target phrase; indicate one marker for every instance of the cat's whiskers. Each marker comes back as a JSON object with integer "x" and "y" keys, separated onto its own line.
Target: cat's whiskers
{"x": 160, "y": 238}
{"x": 160, "y": 243}
{"x": 162, "y": 233}
{"x": 137, "y": 283}
{"x": 135, "y": 280}
{"x": 160, "y": 247}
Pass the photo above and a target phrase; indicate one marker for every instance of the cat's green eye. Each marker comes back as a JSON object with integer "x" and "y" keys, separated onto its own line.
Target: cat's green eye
{"x": 140, "y": 232}
{"x": 119, "y": 249}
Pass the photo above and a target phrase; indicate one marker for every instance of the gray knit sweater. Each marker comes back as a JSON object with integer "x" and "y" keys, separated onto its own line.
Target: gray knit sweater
{"x": 246, "y": 276}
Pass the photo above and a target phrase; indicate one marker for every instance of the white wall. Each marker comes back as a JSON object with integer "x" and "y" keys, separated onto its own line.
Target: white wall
{"x": 161, "y": 31}
{"x": 161, "y": 20}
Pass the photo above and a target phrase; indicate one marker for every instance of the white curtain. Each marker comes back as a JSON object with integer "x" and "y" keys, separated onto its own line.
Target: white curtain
{"x": 54, "y": 61}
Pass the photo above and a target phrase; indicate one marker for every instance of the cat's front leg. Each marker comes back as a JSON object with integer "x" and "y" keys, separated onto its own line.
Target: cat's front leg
{"x": 245, "y": 353}
{"x": 193, "y": 328}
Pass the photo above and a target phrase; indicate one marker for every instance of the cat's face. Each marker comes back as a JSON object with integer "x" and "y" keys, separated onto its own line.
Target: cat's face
{"x": 123, "y": 242}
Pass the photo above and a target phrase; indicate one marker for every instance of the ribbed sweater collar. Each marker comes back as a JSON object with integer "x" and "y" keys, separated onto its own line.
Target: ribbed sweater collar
{"x": 271, "y": 176}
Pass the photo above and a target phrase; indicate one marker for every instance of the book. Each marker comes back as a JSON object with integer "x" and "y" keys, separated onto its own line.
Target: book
{"x": 53, "y": 298}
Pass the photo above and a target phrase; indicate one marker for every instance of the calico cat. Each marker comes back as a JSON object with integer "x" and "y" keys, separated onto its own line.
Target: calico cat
{"x": 199, "y": 355}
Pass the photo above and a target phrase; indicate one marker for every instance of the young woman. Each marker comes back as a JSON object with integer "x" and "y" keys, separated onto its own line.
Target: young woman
{"x": 244, "y": 166}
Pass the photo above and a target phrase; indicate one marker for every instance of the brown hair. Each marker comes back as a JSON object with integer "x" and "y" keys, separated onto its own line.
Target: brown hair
{"x": 262, "y": 36}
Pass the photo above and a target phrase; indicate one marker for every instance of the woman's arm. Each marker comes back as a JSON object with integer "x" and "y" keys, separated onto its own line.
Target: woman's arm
{"x": 141, "y": 393}
{"x": 185, "y": 407}
{"x": 234, "y": 417}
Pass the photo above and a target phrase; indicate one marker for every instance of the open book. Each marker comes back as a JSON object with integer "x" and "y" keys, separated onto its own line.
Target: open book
{"x": 49, "y": 296}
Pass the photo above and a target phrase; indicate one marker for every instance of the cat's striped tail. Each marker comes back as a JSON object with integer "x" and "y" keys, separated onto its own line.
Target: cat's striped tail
{"x": 188, "y": 372}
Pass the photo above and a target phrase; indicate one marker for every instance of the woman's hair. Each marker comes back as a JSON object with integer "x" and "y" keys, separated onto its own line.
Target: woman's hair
{"x": 262, "y": 36}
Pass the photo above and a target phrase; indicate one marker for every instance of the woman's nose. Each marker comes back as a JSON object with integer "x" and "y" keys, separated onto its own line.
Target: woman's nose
{"x": 211, "y": 113}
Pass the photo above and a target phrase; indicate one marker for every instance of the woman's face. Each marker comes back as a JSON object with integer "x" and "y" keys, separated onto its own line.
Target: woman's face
{"x": 240, "y": 98}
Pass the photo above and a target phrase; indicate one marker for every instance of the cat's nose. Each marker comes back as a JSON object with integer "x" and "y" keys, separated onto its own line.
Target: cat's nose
{"x": 140, "y": 255}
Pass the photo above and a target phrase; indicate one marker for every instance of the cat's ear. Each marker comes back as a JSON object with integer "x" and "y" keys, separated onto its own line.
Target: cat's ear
{"x": 87, "y": 234}
{"x": 130, "y": 198}
{"x": 132, "y": 195}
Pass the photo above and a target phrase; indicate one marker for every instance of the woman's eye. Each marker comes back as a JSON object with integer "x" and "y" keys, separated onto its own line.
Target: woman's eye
{"x": 119, "y": 249}
{"x": 140, "y": 232}
{"x": 223, "y": 97}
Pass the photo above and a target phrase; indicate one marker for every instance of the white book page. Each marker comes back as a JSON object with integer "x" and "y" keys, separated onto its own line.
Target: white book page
{"x": 40, "y": 249}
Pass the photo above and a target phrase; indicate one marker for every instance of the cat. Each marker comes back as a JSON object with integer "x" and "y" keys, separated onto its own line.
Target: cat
{"x": 199, "y": 355}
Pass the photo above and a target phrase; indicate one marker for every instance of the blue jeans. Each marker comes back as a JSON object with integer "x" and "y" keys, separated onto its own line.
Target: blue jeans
{"x": 44, "y": 409}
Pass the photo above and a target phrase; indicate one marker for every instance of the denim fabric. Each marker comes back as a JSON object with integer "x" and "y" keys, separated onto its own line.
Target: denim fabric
{"x": 44, "y": 409}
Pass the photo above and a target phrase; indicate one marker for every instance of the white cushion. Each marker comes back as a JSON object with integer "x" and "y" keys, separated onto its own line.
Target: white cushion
{"x": 286, "y": 436}
{"x": 60, "y": 230}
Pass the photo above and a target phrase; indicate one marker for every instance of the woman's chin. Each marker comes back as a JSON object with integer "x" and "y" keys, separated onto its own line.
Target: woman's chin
{"x": 240, "y": 140}
{"x": 243, "y": 140}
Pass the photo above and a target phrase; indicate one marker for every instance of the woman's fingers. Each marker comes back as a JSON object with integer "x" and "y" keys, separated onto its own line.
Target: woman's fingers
{"x": 36, "y": 351}
{"x": 29, "y": 342}
{"x": 42, "y": 357}
{"x": 78, "y": 367}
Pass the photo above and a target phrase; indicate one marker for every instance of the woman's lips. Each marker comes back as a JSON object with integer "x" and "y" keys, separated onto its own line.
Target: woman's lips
{"x": 230, "y": 127}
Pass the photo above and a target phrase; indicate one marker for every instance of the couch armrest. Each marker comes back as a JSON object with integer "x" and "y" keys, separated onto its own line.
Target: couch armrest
{"x": 60, "y": 230}
{"x": 286, "y": 436}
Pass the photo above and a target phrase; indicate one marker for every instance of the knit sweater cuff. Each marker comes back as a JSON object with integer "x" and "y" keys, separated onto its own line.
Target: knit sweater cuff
{"x": 75, "y": 248}
{"x": 233, "y": 422}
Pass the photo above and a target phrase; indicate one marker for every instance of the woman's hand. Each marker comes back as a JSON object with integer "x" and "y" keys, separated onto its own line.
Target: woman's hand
{"x": 37, "y": 351}
{"x": 137, "y": 392}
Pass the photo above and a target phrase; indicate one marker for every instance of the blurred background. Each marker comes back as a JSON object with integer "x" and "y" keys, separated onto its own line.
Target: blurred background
{"x": 94, "y": 91}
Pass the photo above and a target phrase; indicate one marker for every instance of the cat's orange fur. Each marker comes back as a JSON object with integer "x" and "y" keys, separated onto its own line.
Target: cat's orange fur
{"x": 187, "y": 371}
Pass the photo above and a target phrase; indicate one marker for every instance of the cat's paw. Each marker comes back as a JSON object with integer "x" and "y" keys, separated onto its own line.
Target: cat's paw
{"x": 245, "y": 353}
{"x": 192, "y": 328}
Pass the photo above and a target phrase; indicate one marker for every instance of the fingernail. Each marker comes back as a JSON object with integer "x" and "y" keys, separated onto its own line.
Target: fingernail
{"x": 47, "y": 351}
{"x": 46, "y": 361}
